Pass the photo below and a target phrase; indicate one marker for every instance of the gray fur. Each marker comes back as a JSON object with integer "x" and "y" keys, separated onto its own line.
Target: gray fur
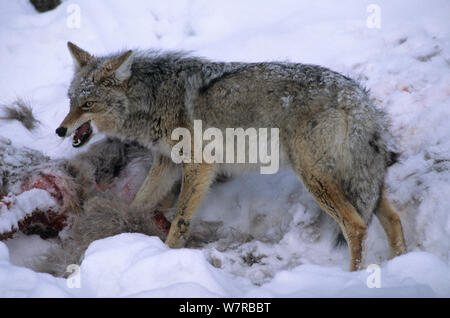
{"x": 106, "y": 159}
{"x": 169, "y": 90}
{"x": 120, "y": 218}
{"x": 330, "y": 132}
{"x": 93, "y": 214}
{"x": 97, "y": 214}
{"x": 20, "y": 111}
{"x": 102, "y": 214}
{"x": 100, "y": 218}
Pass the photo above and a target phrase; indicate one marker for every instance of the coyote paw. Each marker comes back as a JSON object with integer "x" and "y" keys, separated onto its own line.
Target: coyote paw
{"x": 177, "y": 234}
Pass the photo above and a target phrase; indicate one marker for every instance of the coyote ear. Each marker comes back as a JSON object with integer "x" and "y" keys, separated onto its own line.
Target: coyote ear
{"x": 80, "y": 57}
{"x": 120, "y": 66}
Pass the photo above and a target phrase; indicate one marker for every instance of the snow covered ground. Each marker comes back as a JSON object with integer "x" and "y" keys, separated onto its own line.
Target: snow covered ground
{"x": 274, "y": 240}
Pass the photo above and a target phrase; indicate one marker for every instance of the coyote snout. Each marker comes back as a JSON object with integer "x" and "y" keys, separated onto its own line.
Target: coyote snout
{"x": 81, "y": 135}
{"x": 61, "y": 131}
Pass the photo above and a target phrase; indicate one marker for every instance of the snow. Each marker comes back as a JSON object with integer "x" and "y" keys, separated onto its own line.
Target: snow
{"x": 272, "y": 239}
{"x": 135, "y": 265}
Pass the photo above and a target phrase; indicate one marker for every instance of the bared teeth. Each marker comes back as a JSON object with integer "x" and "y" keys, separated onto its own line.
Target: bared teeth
{"x": 82, "y": 135}
{"x": 76, "y": 142}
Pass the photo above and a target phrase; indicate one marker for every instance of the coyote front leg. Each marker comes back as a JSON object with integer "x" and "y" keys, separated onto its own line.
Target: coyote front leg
{"x": 160, "y": 180}
{"x": 197, "y": 179}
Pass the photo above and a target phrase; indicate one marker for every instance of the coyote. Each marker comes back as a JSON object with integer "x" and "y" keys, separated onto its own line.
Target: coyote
{"x": 331, "y": 135}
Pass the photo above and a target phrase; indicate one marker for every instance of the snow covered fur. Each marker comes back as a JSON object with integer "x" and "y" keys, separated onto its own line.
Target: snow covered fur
{"x": 330, "y": 133}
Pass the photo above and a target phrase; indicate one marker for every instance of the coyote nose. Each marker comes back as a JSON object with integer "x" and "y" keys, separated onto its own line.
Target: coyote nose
{"x": 61, "y": 131}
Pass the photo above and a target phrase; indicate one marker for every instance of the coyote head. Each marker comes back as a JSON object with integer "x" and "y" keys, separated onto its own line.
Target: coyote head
{"x": 97, "y": 95}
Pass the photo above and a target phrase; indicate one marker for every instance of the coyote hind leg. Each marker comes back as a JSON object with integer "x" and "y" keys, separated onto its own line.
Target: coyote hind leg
{"x": 333, "y": 201}
{"x": 390, "y": 221}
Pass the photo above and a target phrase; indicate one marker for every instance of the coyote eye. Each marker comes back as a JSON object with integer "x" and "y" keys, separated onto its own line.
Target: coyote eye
{"x": 87, "y": 105}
